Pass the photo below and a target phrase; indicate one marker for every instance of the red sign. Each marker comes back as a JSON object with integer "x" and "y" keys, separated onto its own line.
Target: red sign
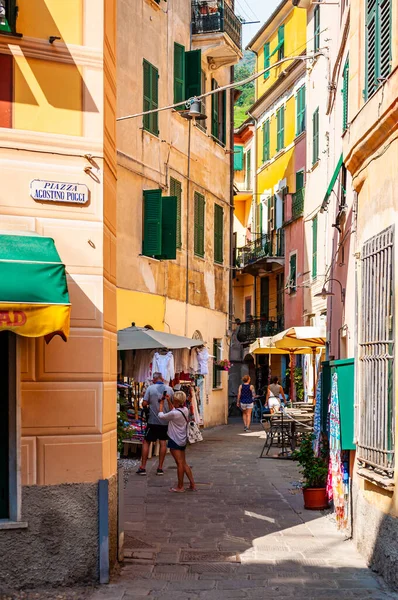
{"x": 10, "y": 318}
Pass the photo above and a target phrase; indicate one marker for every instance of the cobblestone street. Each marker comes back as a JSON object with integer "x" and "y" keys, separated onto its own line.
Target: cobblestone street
{"x": 244, "y": 535}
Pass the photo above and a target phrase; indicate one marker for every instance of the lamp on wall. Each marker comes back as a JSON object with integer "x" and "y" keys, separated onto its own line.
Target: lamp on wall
{"x": 194, "y": 111}
{"x": 324, "y": 293}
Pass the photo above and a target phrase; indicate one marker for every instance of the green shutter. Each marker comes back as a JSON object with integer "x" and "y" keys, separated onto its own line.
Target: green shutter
{"x": 315, "y": 136}
{"x": 280, "y": 129}
{"x": 155, "y": 100}
{"x": 385, "y": 38}
{"x": 147, "y": 93}
{"x": 378, "y": 44}
{"x": 238, "y": 158}
{"x": 267, "y": 61}
{"x": 299, "y": 180}
{"x": 152, "y": 242}
{"x": 223, "y": 137}
{"x": 193, "y": 73}
{"x": 293, "y": 273}
{"x": 214, "y": 110}
{"x": 179, "y": 74}
{"x": 169, "y": 227}
{"x": 199, "y": 224}
{"x": 317, "y": 28}
{"x": 281, "y": 42}
{"x": 345, "y": 95}
{"x": 300, "y": 110}
{"x": 150, "y": 93}
{"x": 176, "y": 190}
{"x": 314, "y": 246}
{"x": 266, "y": 141}
{"x": 248, "y": 169}
{"x": 218, "y": 233}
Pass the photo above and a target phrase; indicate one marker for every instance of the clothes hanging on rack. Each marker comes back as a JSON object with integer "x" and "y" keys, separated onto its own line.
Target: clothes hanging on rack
{"x": 193, "y": 364}
{"x": 143, "y": 365}
{"x": 194, "y": 404}
{"x": 128, "y": 363}
{"x": 335, "y": 484}
{"x": 203, "y": 360}
{"x": 181, "y": 360}
{"x": 164, "y": 364}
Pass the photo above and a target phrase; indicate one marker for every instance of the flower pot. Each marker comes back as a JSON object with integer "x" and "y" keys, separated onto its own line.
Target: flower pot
{"x": 315, "y": 498}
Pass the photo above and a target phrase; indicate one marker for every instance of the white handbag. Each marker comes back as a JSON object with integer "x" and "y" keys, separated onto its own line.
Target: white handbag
{"x": 193, "y": 432}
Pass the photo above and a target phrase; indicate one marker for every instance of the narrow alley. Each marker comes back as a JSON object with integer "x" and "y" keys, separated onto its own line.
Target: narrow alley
{"x": 245, "y": 534}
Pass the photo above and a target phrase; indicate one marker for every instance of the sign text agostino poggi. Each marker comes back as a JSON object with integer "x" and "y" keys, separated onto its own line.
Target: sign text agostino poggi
{"x": 57, "y": 191}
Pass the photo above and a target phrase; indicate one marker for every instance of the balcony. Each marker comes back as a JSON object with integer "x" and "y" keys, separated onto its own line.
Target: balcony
{"x": 217, "y": 31}
{"x": 249, "y": 331}
{"x": 260, "y": 256}
{"x": 298, "y": 204}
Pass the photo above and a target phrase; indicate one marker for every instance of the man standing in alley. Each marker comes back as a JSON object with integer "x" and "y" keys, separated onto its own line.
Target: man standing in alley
{"x": 156, "y": 429}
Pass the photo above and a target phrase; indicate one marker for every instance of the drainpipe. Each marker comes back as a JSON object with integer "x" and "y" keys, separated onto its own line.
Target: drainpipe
{"x": 231, "y": 201}
{"x": 187, "y": 227}
{"x": 254, "y": 193}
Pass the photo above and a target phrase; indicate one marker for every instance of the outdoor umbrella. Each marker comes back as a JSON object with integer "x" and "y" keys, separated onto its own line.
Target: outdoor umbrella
{"x": 139, "y": 338}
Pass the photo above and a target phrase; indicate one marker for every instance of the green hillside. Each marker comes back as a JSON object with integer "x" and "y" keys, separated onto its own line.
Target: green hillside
{"x": 244, "y": 69}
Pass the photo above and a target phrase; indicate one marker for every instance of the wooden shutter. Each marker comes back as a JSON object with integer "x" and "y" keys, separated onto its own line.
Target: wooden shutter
{"x": 155, "y": 99}
{"x": 266, "y": 141}
{"x": 238, "y": 158}
{"x": 299, "y": 180}
{"x": 152, "y": 242}
{"x": 314, "y": 246}
{"x": 345, "y": 95}
{"x": 214, "y": 110}
{"x": 218, "y": 233}
{"x": 293, "y": 273}
{"x": 179, "y": 74}
{"x": 280, "y": 126}
{"x": 300, "y": 110}
{"x": 271, "y": 211}
{"x": 315, "y": 136}
{"x": 281, "y": 42}
{"x": 199, "y": 224}
{"x": 147, "y": 94}
{"x": 193, "y": 73}
{"x": 385, "y": 38}
{"x": 266, "y": 60}
{"x": 176, "y": 190}
{"x": 223, "y": 137}
{"x": 372, "y": 47}
{"x": 317, "y": 28}
{"x": 169, "y": 227}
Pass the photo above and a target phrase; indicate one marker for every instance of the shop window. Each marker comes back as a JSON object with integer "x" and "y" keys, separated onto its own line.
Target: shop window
{"x": 176, "y": 191}
{"x": 300, "y": 110}
{"x": 199, "y": 224}
{"x": 218, "y": 234}
{"x": 160, "y": 225}
{"x": 8, "y": 16}
{"x": 218, "y": 114}
{"x": 377, "y": 44}
{"x": 217, "y": 353}
{"x": 151, "y": 97}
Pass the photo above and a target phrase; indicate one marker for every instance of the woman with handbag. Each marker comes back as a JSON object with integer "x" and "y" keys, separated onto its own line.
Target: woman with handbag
{"x": 177, "y": 431}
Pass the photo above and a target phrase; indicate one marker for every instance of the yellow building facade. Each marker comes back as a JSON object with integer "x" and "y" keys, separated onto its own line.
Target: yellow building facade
{"x": 168, "y": 155}
{"x": 57, "y": 126}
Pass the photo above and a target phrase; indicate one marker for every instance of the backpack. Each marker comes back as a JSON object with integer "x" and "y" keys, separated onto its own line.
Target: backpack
{"x": 193, "y": 432}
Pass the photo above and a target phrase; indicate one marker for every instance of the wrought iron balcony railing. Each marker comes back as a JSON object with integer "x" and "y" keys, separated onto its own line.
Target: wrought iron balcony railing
{"x": 210, "y": 16}
{"x": 265, "y": 246}
{"x": 298, "y": 203}
{"x": 249, "y": 331}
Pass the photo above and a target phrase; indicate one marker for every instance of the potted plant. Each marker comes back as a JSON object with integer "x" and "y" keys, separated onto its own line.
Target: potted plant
{"x": 223, "y": 365}
{"x": 314, "y": 470}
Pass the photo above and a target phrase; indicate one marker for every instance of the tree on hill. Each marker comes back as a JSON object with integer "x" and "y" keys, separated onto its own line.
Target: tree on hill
{"x": 244, "y": 69}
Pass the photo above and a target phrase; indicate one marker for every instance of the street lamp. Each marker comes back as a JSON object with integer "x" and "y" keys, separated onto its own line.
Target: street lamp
{"x": 324, "y": 293}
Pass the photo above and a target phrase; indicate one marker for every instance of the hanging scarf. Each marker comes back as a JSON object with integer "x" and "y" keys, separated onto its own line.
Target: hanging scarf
{"x": 317, "y": 418}
{"x": 335, "y": 484}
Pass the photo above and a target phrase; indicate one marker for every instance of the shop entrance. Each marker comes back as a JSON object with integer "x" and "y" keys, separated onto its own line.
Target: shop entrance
{"x": 4, "y": 425}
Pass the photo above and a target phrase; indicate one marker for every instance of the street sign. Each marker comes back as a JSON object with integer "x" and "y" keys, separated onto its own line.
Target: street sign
{"x": 57, "y": 191}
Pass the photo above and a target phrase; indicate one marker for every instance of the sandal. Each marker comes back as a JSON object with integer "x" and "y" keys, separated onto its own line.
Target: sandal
{"x": 176, "y": 490}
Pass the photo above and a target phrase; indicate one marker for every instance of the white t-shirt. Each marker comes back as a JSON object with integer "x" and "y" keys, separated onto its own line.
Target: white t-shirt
{"x": 177, "y": 425}
{"x": 273, "y": 402}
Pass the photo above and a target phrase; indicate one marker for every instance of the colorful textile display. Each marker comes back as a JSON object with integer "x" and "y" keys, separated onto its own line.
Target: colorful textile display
{"x": 317, "y": 417}
{"x": 335, "y": 483}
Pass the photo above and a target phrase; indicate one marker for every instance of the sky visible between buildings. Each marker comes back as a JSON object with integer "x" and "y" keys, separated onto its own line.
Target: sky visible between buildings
{"x": 254, "y": 10}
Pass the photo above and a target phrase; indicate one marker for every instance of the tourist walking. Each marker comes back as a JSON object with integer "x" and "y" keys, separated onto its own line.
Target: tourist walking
{"x": 245, "y": 401}
{"x": 156, "y": 429}
{"x": 178, "y": 419}
{"x": 274, "y": 392}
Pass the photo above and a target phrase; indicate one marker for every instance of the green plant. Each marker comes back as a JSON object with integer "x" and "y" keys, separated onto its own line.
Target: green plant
{"x": 314, "y": 469}
{"x": 124, "y": 432}
{"x": 298, "y": 382}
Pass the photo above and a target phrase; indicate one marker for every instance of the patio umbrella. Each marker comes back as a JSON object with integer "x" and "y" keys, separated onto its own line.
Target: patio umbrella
{"x": 139, "y": 338}
{"x": 311, "y": 338}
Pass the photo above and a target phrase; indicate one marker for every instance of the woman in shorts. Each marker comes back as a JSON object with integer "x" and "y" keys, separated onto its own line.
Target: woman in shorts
{"x": 245, "y": 401}
{"x": 177, "y": 419}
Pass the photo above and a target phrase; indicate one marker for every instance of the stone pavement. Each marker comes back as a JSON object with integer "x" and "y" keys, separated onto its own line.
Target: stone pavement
{"x": 245, "y": 534}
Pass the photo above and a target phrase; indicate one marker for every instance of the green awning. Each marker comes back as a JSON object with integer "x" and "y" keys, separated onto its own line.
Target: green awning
{"x": 333, "y": 180}
{"x": 34, "y": 299}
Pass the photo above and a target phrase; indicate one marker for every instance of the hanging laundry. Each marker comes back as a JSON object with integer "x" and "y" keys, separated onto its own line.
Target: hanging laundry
{"x": 203, "y": 360}
{"x": 317, "y": 417}
{"x": 181, "y": 360}
{"x": 193, "y": 361}
{"x": 164, "y": 364}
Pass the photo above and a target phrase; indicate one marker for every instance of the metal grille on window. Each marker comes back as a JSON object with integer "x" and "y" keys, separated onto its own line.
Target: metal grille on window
{"x": 376, "y": 359}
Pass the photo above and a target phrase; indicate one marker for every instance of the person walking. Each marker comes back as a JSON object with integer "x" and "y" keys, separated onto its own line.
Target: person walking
{"x": 275, "y": 390}
{"x": 156, "y": 429}
{"x": 178, "y": 419}
{"x": 245, "y": 401}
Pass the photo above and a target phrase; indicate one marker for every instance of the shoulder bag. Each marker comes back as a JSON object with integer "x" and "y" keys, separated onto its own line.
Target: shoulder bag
{"x": 193, "y": 432}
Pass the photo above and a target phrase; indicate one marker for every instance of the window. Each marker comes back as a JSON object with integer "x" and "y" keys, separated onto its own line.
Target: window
{"x": 299, "y": 180}
{"x": 266, "y": 141}
{"x": 378, "y": 44}
{"x": 8, "y": 16}
{"x": 238, "y": 158}
{"x": 199, "y": 224}
{"x": 280, "y": 301}
{"x": 271, "y": 213}
{"x": 317, "y": 28}
{"x": 217, "y": 349}
{"x": 376, "y": 417}
{"x": 160, "y": 225}
{"x": 248, "y": 170}
{"x": 187, "y": 74}
{"x": 151, "y": 83}
{"x": 281, "y": 42}
{"x": 266, "y": 60}
{"x": 280, "y": 129}
{"x": 218, "y": 234}
{"x": 345, "y": 95}
{"x": 300, "y": 110}
{"x": 218, "y": 114}
{"x": 202, "y": 124}
{"x": 314, "y": 246}
{"x": 176, "y": 191}
{"x": 248, "y": 307}
{"x": 315, "y": 137}
{"x": 293, "y": 273}
{"x": 264, "y": 298}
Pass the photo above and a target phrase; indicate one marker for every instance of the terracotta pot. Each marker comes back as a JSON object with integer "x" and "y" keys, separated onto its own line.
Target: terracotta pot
{"x": 315, "y": 498}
